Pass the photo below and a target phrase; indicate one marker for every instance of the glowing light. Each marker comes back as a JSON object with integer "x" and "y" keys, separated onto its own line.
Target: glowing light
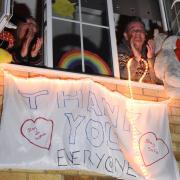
{"x": 129, "y": 77}
{"x": 135, "y": 133}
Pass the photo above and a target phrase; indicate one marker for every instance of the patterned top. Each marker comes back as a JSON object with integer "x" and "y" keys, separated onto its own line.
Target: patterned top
{"x": 137, "y": 68}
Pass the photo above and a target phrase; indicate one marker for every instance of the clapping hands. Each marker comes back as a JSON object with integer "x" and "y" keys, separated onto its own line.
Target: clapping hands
{"x": 26, "y": 33}
{"x": 150, "y": 48}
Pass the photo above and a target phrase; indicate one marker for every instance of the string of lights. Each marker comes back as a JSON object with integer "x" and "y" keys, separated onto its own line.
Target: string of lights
{"x": 132, "y": 121}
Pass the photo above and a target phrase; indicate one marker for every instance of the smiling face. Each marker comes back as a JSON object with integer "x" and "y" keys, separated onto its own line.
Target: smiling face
{"x": 136, "y": 33}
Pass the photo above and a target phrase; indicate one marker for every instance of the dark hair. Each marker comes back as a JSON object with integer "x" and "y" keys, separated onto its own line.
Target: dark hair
{"x": 123, "y": 24}
{"x": 134, "y": 19}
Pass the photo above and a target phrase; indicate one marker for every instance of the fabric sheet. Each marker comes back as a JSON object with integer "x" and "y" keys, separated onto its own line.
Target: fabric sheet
{"x": 80, "y": 125}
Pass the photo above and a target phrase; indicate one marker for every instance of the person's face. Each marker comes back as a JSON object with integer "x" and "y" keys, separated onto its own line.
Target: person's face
{"x": 136, "y": 34}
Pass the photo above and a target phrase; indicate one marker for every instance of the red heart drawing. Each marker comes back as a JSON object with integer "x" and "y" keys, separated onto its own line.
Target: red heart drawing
{"x": 152, "y": 149}
{"x": 38, "y": 132}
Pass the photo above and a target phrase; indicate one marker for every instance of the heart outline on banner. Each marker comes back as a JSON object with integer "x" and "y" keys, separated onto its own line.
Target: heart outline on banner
{"x": 149, "y": 150}
{"x": 29, "y": 130}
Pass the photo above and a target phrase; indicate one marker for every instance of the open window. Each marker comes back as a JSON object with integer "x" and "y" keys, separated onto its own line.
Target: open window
{"x": 150, "y": 16}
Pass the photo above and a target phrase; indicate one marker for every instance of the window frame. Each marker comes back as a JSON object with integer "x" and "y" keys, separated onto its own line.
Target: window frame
{"x": 49, "y": 42}
{"x": 6, "y": 14}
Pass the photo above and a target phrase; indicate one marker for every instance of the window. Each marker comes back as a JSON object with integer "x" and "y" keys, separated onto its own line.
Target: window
{"x": 84, "y": 39}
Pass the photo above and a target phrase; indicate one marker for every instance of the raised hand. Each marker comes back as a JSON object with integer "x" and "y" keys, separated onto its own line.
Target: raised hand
{"x": 36, "y": 47}
{"x": 26, "y": 32}
{"x": 150, "y": 49}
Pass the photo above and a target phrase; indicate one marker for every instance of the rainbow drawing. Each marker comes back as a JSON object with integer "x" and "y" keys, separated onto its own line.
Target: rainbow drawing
{"x": 72, "y": 59}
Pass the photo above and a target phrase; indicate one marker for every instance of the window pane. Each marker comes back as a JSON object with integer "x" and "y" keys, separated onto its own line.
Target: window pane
{"x": 148, "y": 9}
{"x": 83, "y": 44}
{"x": 95, "y": 12}
{"x": 69, "y": 10}
{"x": 66, "y": 40}
{"x": 98, "y": 56}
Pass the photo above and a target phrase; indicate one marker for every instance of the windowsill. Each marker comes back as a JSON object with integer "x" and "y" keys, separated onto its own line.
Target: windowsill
{"x": 64, "y": 74}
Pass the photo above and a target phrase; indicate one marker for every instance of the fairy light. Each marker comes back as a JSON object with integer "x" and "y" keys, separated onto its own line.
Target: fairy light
{"x": 1, "y": 69}
{"x": 132, "y": 119}
{"x": 129, "y": 77}
{"x": 135, "y": 140}
{"x": 8, "y": 73}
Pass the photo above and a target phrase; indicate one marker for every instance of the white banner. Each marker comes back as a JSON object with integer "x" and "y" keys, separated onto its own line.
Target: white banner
{"x": 80, "y": 125}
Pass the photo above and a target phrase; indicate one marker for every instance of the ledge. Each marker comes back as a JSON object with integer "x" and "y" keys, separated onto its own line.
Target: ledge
{"x": 64, "y": 74}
